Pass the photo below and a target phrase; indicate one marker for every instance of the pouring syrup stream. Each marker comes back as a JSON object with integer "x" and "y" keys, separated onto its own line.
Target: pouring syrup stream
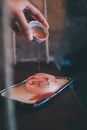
{"x": 38, "y": 56}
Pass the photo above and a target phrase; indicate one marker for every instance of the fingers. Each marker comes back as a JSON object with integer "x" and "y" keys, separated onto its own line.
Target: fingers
{"x": 24, "y": 26}
{"x": 22, "y": 16}
{"x": 41, "y": 19}
{"x": 37, "y": 14}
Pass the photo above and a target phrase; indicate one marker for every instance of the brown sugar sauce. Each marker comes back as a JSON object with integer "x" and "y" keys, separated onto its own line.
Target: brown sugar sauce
{"x": 38, "y": 32}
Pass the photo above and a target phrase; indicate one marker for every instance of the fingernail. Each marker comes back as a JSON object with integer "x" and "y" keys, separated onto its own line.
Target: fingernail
{"x": 29, "y": 36}
{"x": 47, "y": 26}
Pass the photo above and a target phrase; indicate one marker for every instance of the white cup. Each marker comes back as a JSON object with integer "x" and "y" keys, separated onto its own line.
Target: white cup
{"x": 39, "y": 31}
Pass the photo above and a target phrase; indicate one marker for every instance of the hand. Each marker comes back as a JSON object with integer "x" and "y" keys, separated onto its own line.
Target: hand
{"x": 22, "y": 11}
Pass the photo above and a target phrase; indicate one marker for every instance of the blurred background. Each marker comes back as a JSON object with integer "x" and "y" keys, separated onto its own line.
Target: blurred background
{"x": 67, "y": 41}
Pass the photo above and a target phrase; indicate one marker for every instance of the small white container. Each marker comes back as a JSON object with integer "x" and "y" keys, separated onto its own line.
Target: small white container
{"x": 39, "y": 31}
